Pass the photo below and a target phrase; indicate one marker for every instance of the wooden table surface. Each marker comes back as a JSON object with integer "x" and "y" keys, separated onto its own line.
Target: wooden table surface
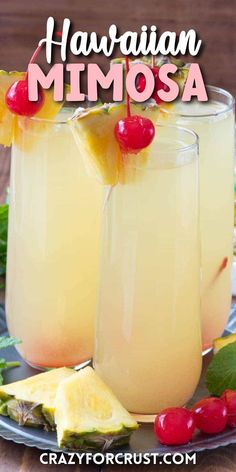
{"x": 22, "y": 24}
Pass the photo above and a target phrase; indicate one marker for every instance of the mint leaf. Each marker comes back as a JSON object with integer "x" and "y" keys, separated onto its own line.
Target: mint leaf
{"x": 221, "y": 372}
{"x": 6, "y": 341}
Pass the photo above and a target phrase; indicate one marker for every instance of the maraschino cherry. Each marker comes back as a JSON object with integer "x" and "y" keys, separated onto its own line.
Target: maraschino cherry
{"x": 210, "y": 415}
{"x": 159, "y": 85}
{"x": 175, "y": 426}
{"x": 17, "y": 95}
{"x": 229, "y": 399}
{"x": 18, "y": 102}
{"x": 134, "y": 132}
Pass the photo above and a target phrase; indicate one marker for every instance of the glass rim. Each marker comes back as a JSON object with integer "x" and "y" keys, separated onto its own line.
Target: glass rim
{"x": 186, "y": 131}
{"x": 211, "y": 88}
{"x": 165, "y": 155}
{"x": 189, "y": 132}
{"x": 52, "y": 120}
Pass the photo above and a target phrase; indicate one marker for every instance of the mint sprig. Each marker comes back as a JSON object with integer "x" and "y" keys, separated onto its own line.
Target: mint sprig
{"x": 7, "y": 341}
{"x": 221, "y": 372}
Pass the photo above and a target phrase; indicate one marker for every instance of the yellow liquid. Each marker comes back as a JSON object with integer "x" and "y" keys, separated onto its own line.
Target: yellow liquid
{"x": 216, "y": 147}
{"x": 148, "y": 333}
{"x": 53, "y": 250}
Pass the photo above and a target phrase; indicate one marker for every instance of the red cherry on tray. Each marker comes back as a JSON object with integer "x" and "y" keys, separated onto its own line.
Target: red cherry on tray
{"x": 210, "y": 415}
{"x": 175, "y": 426}
{"x": 229, "y": 399}
{"x": 18, "y": 102}
{"x": 134, "y": 133}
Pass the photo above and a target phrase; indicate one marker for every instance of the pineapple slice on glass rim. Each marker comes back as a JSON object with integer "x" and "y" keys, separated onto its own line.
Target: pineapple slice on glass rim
{"x": 7, "y": 118}
{"x": 12, "y": 125}
{"x": 93, "y": 130}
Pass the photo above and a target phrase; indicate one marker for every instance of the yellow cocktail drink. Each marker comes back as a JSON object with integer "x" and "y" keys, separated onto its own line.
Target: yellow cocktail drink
{"x": 53, "y": 247}
{"x": 213, "y": 121}
{"x": 148, "y": 332}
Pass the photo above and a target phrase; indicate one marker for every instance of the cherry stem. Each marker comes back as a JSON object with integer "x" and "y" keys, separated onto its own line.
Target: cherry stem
{"x": 38, "y": 49}
{"x": 127, "y": 95}
{"x": 153, "y": 62}
{"x": 35, "y": 54}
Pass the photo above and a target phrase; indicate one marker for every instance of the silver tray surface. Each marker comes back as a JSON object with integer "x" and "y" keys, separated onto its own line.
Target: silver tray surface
{"x": 142, "y": 441}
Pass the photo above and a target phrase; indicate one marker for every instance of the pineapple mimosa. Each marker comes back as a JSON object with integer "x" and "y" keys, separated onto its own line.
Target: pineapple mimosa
{"x": 53, "y": 245}
{"x": 148, "y": 347}
{"x": 213, "y": 121}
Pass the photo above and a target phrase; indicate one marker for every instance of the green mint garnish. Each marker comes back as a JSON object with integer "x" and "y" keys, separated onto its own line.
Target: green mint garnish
{"x": 221, "y": 372}
{"x": 6, "y": 341}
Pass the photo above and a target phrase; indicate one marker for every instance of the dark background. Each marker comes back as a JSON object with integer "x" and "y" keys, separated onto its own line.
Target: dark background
{"x": 22, "y": 24}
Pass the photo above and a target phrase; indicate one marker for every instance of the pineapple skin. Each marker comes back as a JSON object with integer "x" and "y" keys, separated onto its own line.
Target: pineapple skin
{"x": 26, "y": 411}
{"x": 94, "y": 441}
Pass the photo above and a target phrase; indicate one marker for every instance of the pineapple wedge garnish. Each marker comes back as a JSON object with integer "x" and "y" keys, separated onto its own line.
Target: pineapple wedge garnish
{"x": 93, "y": 129}
{"x": 28, "y": 131}
{"x": 31, "y": 402}
{"x": 12, "y": 125}
{"x": 6, "y": 117}
{"x": 88, "y": 415}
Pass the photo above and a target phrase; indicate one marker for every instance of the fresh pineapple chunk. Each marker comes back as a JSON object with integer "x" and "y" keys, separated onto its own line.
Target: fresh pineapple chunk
{"x": 6, "y": 117}
{"x": 28, "y": 131}
{"x": 218, "y": 343}
{"x": 88, "y": 415}
{"x": 31, "y": 402}
{"x": 93, "y": 129}
{"x": 50, "y": 108}
{"x": 9, "y": 123}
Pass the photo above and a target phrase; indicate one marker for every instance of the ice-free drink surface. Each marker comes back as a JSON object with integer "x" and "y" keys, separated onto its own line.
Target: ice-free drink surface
{"x": 53, "y": 246}
{"x": 148, "y": 346}
{"x": 213, "y": 121}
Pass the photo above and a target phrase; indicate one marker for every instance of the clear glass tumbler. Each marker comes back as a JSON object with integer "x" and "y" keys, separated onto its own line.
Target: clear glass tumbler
{"x": 148, "y": 344}
{"x": 53, "y": 246}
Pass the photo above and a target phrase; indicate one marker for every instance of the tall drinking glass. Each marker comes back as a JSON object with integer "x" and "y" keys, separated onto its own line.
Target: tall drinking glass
{"x": 213, "y": 121}
{"x": 148, "y": 346}
{"x": 53, "y": 245}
